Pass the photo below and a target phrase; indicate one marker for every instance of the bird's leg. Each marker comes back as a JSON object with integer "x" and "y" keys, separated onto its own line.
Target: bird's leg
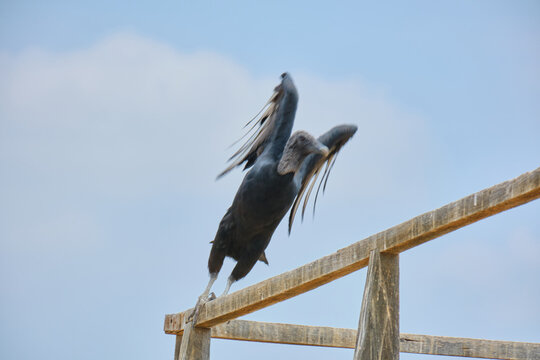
{"x": 213, "y": 278}
{"x": 230, "y": 280}
{"x": 202, "y": 299}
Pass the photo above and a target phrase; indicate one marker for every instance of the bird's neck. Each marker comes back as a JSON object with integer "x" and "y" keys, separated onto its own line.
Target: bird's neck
{"x": 284, "y": 124}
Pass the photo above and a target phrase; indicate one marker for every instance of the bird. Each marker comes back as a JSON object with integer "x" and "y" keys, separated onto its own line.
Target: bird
{"x": 283, "y": 170}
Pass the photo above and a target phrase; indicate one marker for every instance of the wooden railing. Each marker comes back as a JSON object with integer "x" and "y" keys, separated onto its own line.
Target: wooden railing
{"x": 378, "y": 334}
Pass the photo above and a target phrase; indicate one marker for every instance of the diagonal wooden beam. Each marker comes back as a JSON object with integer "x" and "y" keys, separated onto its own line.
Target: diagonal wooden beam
{"x": 346, "y": 338}
{"x": 399, "y": 238}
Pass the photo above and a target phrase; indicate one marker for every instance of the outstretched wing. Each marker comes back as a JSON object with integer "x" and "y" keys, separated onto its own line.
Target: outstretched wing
{"x": 312, "y": 167}
{"x": 262, "y": 127}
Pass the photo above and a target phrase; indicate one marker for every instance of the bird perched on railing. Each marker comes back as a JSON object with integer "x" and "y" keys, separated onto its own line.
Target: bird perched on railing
{"x": 284, "y": 168}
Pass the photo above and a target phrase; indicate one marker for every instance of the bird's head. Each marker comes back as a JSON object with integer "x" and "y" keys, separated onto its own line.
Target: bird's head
{"x": 304, "y": 143}
{"x": 299, "y": 145}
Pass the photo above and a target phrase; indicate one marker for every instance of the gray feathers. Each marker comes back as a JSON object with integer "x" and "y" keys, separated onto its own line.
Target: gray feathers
{"x": 257, "y": 138}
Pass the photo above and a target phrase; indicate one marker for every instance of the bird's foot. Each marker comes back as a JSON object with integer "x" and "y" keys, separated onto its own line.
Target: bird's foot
{"x": 195, "y": 313}
{"x": 200, "y": 302}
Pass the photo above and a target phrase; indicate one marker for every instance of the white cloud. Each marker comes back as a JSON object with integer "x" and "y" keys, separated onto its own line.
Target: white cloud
{"x": 129, "y": 119}
{"x": 128, "y": 115}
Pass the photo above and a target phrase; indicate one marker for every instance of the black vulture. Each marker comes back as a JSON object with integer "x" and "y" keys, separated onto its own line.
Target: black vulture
{"x": 284, "y": 168}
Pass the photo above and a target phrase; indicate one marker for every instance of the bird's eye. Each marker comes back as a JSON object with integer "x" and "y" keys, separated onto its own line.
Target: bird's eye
{"x": 283, "y": 75}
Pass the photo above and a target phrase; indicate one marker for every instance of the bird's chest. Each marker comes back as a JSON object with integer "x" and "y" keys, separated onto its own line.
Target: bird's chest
{"x": 265, "y": 200}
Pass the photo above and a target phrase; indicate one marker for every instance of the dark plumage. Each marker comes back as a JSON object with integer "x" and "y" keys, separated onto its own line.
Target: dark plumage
{"x": 284, "y": 168}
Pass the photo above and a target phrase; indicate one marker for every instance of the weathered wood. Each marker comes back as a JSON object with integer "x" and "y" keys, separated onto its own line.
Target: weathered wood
{"x": 378, "y": 327}
{"x": 476, "y": 348}
{"x": 177, "y": 345}
{"x": 346, "y": 338}
{"x": 285, "y": 333}
{"x": 195, "y": 343}
{"x": 399, "y": 238}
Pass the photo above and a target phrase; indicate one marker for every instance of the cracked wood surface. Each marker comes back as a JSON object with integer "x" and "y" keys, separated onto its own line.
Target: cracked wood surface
{"x": 399, "y": 238}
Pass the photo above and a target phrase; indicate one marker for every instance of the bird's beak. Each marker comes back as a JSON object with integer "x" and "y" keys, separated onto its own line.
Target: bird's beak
{"x": 323, "y": 150}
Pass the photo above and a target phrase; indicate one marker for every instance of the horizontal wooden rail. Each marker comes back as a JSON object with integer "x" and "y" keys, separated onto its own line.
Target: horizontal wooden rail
{"x": 346, "y": 338}
{"x": 286, "y": 334}
{"x": 475, "y": 348}
{"x": 399, "y": 238}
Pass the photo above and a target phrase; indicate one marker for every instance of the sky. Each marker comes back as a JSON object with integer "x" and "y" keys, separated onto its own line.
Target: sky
{"x": 115, "y": 118}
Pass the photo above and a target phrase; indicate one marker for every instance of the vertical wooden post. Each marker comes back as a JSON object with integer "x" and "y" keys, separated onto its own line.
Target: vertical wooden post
{"x": 378, "y": 327}
{"x": 177, "y": 347}
{"x": 194, "y": 344}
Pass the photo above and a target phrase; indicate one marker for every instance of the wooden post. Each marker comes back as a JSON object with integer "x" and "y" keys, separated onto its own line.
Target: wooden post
{"x": 177, "y": 347}
{"x": 194, "y": 343}
{"x": 378, "y": 327}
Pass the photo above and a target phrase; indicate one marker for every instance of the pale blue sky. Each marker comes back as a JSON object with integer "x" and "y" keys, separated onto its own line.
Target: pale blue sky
{"x": 115, "y": 119}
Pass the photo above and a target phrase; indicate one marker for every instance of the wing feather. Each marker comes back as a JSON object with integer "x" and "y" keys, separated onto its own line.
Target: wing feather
{"x": 315, "y": 177}
{"x": 258, "y": 134}
{"x": 329, "y": 165}
{"x": 299, "y": 196}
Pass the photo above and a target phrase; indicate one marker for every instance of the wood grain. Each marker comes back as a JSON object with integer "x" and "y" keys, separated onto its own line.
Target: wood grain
{"x": 285, "y": 333}
{"x": 346, "y": 338}
{"x": 177, "y": 345}
{"x": 476, "y": 348}
{"x": 378, "y": 327}
{"x": 194, "y": 344}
